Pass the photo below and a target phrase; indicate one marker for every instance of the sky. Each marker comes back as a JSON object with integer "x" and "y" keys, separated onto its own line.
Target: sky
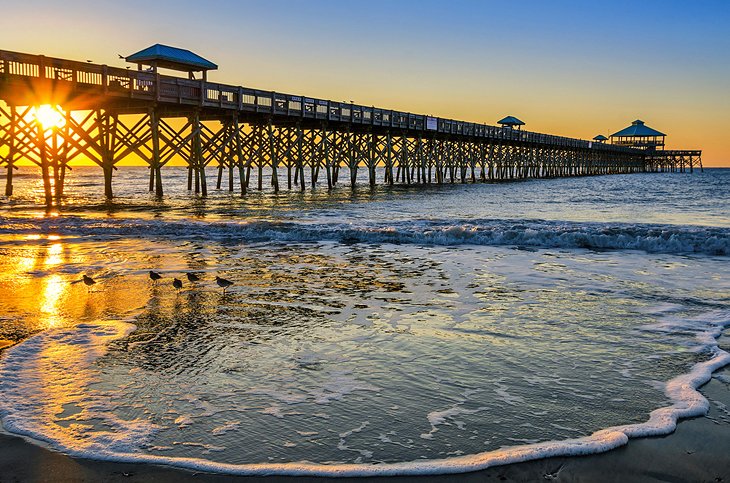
{"x": 570, "y": 68}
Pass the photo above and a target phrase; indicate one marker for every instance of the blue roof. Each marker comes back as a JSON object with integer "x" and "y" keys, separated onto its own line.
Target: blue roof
{"x": 171, "y": 58}
{"x": 638, "y": 129}
{"x": 511, "y": 121}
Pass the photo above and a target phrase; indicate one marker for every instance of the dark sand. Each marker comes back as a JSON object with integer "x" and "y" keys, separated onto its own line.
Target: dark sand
{"x": 699, "y": 451}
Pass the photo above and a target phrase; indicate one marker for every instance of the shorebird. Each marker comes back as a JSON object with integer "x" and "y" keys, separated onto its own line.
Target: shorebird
{"x": 192, "y": 277}
{"x": 154, "y": 276}
{"x": 88, "y": 281}
{"x": 177, "y": 283}
{"x": 223, "y": 283}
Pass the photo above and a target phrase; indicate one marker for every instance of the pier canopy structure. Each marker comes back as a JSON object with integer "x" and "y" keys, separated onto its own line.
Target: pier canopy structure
{"x": 640, "y": 136}
{"x": 510, "y": 122}
{"x": 172, "y": 58}
{"x": 112, "y": 113}
{"x": 600, "y": 138}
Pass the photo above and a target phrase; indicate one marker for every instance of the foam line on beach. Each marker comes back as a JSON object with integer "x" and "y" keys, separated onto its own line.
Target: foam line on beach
{"x": 27, "y": 410}
{"x": 650, "y": 238}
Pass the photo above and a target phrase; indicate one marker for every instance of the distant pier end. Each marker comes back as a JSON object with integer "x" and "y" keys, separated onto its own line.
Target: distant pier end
{"x": 241, "y": 132}
{"x": 640, "y": 136}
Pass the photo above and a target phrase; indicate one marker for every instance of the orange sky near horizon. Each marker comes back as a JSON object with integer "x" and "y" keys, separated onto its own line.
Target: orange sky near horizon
{"x": 563, "y": 69}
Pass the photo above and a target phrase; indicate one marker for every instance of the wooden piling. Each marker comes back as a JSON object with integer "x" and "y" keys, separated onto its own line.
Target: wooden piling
{"x": 10, "y": 159}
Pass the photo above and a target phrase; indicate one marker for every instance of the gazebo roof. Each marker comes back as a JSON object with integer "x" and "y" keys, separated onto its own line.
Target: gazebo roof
{"x": 638, "y": 129}
{"x": 510, "y": 121}
{"x": 171, "y": 58}
{"x": 600, "y": 137}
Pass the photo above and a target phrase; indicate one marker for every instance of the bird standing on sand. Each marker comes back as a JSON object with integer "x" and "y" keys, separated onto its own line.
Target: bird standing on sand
{"x": 223, "y": 283}
{"x": 192, "y": 277}
{"x": 88, "y": 281}
{"x": 177, "y": 283}
{"x": 154, "y": 276}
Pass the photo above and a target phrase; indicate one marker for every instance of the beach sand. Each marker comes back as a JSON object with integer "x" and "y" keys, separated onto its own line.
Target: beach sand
{"x": 698, "y": 451}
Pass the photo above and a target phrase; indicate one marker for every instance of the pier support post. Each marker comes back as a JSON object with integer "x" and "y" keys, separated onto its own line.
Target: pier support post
{"x": 45, "y": 165}
{"x": 313, "y": 149}
{"x": 10, "y": 160}
{"x": 389, "y": 157}
{"x": 108, "y": 193}
{"x": 429, "y": 159}
{"x": 219, "y": 179}
{"x": 274, "y": 158}
{"x": 107, "y": 137}
{"x": 197, "y": 162}
{"x": 56, "y": 163}
{"x": 326, "y": 148}
{"x": 300, "y": 159}
{"x": 155, "y": 167}
{"x": 63, "y": 156}
{"x": 372, "y": 159}
{"x": 351, "y": 161}
{"x": 404, "y": 159}
{"x": 239, "y": 158}
{"x": 338, "y": 154}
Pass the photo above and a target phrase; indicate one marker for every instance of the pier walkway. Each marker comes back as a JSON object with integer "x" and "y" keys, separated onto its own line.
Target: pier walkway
{"x": 245, "y": 133}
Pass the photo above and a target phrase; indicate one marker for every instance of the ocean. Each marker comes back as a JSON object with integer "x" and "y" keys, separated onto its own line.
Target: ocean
{"x": 399, "y": 330}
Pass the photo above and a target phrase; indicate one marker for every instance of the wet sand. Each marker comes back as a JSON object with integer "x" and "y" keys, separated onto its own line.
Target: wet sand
{"x": 698, "y": 451}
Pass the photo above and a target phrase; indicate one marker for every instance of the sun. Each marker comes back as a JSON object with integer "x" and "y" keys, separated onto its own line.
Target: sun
{"x": 49, "y": 117}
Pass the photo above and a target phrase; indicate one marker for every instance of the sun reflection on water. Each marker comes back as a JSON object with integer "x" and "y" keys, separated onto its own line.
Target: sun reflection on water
{"x": 40, "y": 275}
{"x": 53, "y": 291}
{"x": 53, "y": 255}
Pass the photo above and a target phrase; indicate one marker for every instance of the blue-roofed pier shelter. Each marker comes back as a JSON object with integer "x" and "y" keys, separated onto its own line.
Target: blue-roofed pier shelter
{"x": 172, "y": 58}
{"x": 511, "y": 122}
{"x": 639, "y": 136}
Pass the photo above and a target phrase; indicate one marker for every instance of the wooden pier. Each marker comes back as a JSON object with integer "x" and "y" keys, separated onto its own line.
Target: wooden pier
{"x": 106, "y": 114}
{"x": 674, "y": 160}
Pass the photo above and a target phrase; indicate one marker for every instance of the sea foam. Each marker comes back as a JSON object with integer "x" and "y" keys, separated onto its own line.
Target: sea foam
{"x": 650, "y": 238}
{"x": 45, "y": 375}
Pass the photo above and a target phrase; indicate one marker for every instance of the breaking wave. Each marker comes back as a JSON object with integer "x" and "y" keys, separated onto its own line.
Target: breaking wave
{"x": 650, "y": 238}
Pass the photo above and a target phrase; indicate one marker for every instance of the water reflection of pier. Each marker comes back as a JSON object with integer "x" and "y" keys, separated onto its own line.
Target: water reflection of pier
{"x": 106, "y": 114}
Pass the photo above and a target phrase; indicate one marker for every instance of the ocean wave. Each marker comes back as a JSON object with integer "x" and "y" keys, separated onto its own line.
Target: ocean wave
{"x": 25, "y": 409}
{"x": 651, "y": 238}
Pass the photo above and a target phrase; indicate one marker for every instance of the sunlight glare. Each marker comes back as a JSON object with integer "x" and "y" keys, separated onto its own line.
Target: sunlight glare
{"x": 53, "y": 255}
{"x": 49, "y": 117}
{"x": 55, "y": 287}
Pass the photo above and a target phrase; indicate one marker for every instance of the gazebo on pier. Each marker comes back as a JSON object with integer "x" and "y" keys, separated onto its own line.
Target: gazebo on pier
{"x": 172, "y": 58}
{"x": 510, "y": 122}
{"x": 600, "y": 139}
{"x": 639, "y": 136}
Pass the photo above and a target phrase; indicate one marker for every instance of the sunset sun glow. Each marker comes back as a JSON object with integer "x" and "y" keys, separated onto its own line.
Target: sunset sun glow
{"x": 49, "y": 117}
